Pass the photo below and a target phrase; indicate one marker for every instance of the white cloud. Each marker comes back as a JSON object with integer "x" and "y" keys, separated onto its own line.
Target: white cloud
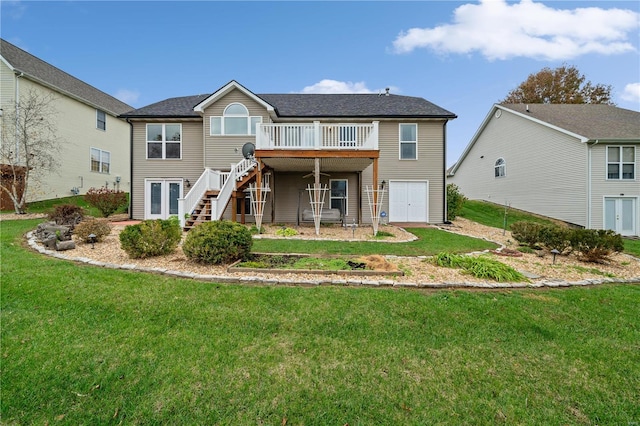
{"x": 13, "y": 8}
{"x": 501, "y": 30}
{"x": 631, "y": 92}
{"x": 334, "y": 86}
{"x": 127, "y": 96}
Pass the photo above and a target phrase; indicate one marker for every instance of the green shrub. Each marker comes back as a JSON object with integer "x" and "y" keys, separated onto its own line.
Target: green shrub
{"x": 526, "y": 232}
{"x": 255, "y": 230}
{"x": 66, "y": 214}
{"x": 286, "y": 232}
{"x": 218, "y": 242}
{"x": 455, "y": 201}
{"x": 595, "y": 245}
{"x": 106, "y": 200}
{"x": 151, "y": 238}
{"x": 382, "y": 234}
{"x": 554, "y": 237}
{"x": 99, "y": 228}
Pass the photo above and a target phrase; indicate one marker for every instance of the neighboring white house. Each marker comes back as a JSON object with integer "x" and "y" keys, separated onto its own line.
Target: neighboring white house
{"x": 96, "y": 151}
{"x": 579, "y": 163}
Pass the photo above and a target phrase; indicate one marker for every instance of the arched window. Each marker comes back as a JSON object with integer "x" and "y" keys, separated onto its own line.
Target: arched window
{"x": 500, "y": 168}
{"x": 235, "y": 120}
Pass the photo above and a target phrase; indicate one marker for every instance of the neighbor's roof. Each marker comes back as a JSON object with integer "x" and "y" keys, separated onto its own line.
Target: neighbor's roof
{"x": 310, "y": 106}
{"x": 592, "y": 121}
{"x": 46, "y": 74}
{"x": 587, "y": 122}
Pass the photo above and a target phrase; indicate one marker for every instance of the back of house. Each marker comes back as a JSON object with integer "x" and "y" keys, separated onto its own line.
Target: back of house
{"x": 289, "y": 158}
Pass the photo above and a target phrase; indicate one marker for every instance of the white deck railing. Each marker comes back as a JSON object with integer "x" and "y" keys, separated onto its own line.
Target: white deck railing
{"x": 317, "y": 136}
{"x": 212, "y": 180}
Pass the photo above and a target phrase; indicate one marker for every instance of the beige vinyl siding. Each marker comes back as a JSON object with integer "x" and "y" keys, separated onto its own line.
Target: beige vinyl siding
{"x": 222, "y": 151}
{"x": 546, "y": 170}
{"x": 428, "y": 166}
{"x": 7, "y": 87}
{"x": 76, "y": 131}
{"x": 601, "y": 187}
{"x": 189, "y": 167}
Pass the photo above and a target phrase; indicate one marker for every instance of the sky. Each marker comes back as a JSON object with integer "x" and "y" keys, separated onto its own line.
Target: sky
{"x": 463, "y": 56}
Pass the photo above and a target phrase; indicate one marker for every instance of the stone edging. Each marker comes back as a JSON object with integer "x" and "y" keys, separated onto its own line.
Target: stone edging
{"x": 335, "y": 282}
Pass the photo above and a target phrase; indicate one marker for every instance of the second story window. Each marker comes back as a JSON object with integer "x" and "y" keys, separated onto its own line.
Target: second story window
{"x": 100, "y": 160}
{"x": 164, "y": 141}
{"x": 500, "y": 168}
{"x": 621, "y": 162}
{"x": 101, "y": 120}
{"x": 234, "y": 121}
{"x": 408, "y": 141}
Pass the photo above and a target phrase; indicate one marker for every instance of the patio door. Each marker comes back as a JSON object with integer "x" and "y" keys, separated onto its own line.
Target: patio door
{"x": 161, "y": 198}
{"x": 620, "y": 215}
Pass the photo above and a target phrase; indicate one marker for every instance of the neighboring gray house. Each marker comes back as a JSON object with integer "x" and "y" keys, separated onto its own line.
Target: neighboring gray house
{"x": 304, "y": 151}
{"x": 95, "y": 151}
{"x": 575, "y": 162}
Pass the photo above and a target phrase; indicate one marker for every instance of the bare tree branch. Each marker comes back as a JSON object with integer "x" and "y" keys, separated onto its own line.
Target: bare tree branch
{"x": 30, "y": 149}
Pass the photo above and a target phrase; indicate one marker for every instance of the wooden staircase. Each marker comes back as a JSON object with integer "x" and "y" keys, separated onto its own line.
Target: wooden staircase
{"x": 202, "y": 212}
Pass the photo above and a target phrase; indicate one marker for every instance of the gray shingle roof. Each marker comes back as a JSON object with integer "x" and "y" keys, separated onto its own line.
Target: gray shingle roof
{"x": 311, "y": 106}
{"x": 593, "y": 121}
{"x": 39, "y": 70}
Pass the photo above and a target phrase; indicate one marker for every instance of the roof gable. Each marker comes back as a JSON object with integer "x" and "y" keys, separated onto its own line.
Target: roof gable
{"x": 232, "y": 85}
{"x": 47, "y": 75}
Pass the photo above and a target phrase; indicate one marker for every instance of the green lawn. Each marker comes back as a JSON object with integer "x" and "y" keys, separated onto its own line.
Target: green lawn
{"x": 430, "y": 241}
{"x": 87, "y": 345}
{"x": 632, "y": 247}
{"x": 78, "y": 200}
{"x": 494, "y": 215}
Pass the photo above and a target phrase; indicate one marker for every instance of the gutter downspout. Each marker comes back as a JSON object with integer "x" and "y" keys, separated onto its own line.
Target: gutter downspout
{"x": 444, "y": 169}
{"x": 589, "y": 183}
{"x": 130, "y": 168}
{"x": 17, "y": 105}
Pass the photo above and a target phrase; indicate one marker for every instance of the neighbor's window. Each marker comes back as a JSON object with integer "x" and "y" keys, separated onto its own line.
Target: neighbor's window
{"x": 408, "y": 141}
{"x": 621, "y": 162}
{"x": 500, "y": 168}
{"x": 339, "y": 196}
{"x": 164, "y": 141}
{"x": 234, "y": 121}
{"x": 101, "y": 120}
{"x": 100, "y": 160}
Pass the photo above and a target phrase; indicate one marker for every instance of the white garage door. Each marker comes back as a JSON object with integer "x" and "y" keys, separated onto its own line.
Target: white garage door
{"x": 408, "y": 201}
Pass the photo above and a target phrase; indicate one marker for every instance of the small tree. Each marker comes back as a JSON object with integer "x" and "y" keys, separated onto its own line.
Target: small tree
{"x": 563, "y": 85}
{"x": 455, "y": 201}
{"x": 30, "y": 146}
{"x": 108, "y": 201}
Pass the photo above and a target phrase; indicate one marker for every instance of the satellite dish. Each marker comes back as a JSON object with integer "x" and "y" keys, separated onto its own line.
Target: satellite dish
{"x": 248, "y": 149}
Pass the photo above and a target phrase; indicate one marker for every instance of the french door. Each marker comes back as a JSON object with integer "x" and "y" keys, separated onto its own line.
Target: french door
{"x": 161, "y": 197}
{"x": 620, "y": 215}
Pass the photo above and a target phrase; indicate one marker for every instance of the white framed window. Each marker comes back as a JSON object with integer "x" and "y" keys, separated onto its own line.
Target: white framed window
{"x": 100, "y": 160}
{"x": 235, "y": 120}
{"x": 339, "y": 195}
{"x": 408, "y": 141}
{"x": 164, "y": 141}
{"x": 101, "y": 120}
{"x": 500, "y": 168}
{"x": 621, "y": 162}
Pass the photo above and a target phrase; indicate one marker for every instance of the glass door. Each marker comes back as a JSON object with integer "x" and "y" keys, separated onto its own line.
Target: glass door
{"x": 161, "y": 198}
